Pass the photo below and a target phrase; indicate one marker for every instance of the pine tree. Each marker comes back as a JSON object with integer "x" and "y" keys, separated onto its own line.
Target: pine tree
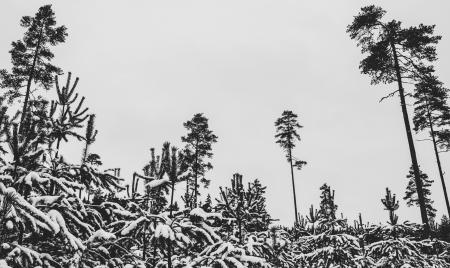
{"x": 198, "y": 140}
{"x": 89, "y": 137}
{"x": 395, "y": 54}
{"x": 286, "y": 135}
{"x": 158, "y": 169}
{"x": 313, "y": 219}
{"x": 432, "y": 113}
{"x": 444, "y": 229}
{"x": 327, "y": 206}
{"x": 411, "y": 193}
{"x": 70, "y": 115}
{"x": 391, "y": 204}
{"x": 246, "y": 206}
{"x": 207, "y": 206}
{"x": 31, "y": 57}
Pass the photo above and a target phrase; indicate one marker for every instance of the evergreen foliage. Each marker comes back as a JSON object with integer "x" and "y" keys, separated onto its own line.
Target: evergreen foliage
{"x": 198, "y": 149}
{"x": 286, "y": 136}
{"x": 57, "y": 214}
{"x": 395, "y": 54}
{"x": 31, "y": 57}
{"x": 411, "y": 193}
{"x": 432, "y": 113}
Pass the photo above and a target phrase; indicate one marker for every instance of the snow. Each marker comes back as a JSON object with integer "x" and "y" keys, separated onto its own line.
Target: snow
{"x": 199, "y": 212}
{"x": 9, "y": 225}
{"x": 28, "y": 209}
{"x": 101, "y": 235}
{"x": 74, "y": 241}
{"x": 158, "y": 183}
{"x": 132, "y": 226}
{"x": 3, "y": 264}
{"x": 164, "y": 231}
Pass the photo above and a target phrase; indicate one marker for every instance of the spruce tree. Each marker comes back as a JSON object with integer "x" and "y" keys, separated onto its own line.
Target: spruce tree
{"x": 246, "y": 206}
{"x": 327, "y": 206}
{"x": 198, "y": 140}
{"x": 31, "y": 57}
{"x": 444, "y": 229}
{"x": 286, "y": 136}
{"x": 395, "y": 54}
{"x": 411, "y": 193}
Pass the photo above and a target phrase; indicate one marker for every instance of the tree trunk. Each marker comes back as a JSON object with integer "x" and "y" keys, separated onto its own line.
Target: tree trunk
{"x": 293, "y": 187}
{"x": 30, "y": 79}
{"x": 169, "y": 246}
{"x": 438, "y": 160}
{"x": 412, "y": 150}
{"x": 169, "y": 255}
{"x": 144, "y": 243}
{"x": 196, "y": 175}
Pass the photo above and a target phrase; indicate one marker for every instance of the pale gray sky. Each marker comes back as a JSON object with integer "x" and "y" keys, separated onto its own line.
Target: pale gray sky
{"x": 146, "y": 67}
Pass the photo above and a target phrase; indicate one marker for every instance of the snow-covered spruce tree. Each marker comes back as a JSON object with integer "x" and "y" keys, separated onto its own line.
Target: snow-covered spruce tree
{"x": 411, "y": 193}
{"x": 286, "y": 134}
{"x": 328, "y": 244}
{"x": 247, "y": 208}
{"x": 187, "y": 238}
{"x": 159, "y": 168}
{"x": 400, "y": 245}
{"x": 42, "y": 220}
{"x": 327, "y": 206}
{"x": 198, "y": 150}
{"x": 313, "y": 220}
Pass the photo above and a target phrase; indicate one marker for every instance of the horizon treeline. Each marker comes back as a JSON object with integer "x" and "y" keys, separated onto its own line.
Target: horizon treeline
{"x": 54, "y": 213}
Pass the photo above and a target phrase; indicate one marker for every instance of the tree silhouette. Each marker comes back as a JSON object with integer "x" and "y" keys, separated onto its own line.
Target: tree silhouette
{"x": 70, "y": 114}
{"x": 31, "y": 57}
{"x": 390, "y": 203}
{"x": 286, "y": 136}
{"x": 327, "y": 206}
{"x": 199, "y": 140}
{"x": 432, "y": 113}
{"x": 395, "y": 54}
{"x": 89, "y": 137}
{"x": 411, "y": 192}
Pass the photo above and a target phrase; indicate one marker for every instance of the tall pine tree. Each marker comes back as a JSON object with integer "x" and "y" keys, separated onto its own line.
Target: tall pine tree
{"x": 286, "y": 136}
{"x": 198, "y": 140}
{"x": 31, "y": 57}
{"x": 432, "y": 113}
{"x": 395, "y": 54}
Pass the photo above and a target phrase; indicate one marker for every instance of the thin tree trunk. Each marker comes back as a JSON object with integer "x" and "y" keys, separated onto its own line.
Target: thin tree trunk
{"x": 412, "y": 150}
{"x": 169, "y": 246}
{"x": 30, "y": 79}
{"x": 293, "y": 187}
{"x": 85, "y": 153}
{"x": 144, "y": 243}
{"x": 186, "y": 196}
{"x": 438, "y": 160}
{"x": 169, "y": 255}
{"x": 196, "y": 175}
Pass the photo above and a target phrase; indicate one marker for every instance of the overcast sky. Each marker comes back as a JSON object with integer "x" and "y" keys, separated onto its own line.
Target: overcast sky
{"x": 146, "y": 67}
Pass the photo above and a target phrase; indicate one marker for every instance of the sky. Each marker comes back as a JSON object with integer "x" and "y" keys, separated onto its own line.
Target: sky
{"x": 146, "y": 67}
